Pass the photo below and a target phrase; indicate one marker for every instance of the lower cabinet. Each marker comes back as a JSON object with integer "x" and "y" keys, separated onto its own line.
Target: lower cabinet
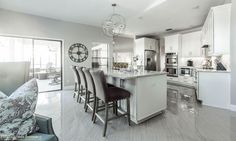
{"x": 214, "y": 88}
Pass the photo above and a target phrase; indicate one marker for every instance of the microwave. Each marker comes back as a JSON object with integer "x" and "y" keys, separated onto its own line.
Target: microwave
{"x": 186, "y": 71}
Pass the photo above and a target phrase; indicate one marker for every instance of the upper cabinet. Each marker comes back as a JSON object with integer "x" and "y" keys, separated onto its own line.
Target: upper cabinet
{"x": 150, "y": 44}
{"x": 191, "y": 44}
{"x": 145, "y": 44}
{"x": 216, "y": 30}
{"x": 172, "y": 43}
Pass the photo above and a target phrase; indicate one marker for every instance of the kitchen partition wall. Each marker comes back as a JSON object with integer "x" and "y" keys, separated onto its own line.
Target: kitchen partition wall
{"x": 45, "y": 57}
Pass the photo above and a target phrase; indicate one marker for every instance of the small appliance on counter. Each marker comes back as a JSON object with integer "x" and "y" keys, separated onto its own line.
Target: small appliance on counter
{"x": 190, "y": 63}
{"x": 207, "y": 63}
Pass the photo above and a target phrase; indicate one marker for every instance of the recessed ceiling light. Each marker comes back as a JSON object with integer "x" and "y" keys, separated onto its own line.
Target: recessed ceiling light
{"x": 196, "y": 7}
{"x": 169, "y": 29}
{"x": 140, "y": 18}
{"x": 154, "y": 4}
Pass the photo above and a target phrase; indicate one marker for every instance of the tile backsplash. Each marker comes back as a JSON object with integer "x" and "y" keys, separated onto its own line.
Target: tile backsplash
{"x": 197, "y": 61}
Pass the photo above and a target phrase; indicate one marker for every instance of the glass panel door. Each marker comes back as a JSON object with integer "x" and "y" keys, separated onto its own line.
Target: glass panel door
{"x": 47, "y": 64}
{"x": 44, "y": 57}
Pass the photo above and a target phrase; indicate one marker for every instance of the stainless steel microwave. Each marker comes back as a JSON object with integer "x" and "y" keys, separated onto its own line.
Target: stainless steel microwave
{"x": 186, "y": 71}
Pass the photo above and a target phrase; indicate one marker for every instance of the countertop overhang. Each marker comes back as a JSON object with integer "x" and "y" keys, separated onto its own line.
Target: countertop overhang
{"x": 133, "y": 75}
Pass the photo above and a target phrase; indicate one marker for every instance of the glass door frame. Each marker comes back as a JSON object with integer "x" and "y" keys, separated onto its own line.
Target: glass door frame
{"x": 33, "y": 45}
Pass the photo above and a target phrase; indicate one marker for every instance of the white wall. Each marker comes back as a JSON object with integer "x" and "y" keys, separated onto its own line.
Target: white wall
{"x": 233, "y": 53}
{"x": 12, "y": 23}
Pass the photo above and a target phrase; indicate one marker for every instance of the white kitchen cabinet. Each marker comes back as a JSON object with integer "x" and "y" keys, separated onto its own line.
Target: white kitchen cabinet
{"x": 214, "y": 88}
{"x": 145, "y": 44}
{"x": 216, "y": 30}
{"x": 191, "y": 44}
{"x": 149, "y": 44}
{"x": 172, "y": 43}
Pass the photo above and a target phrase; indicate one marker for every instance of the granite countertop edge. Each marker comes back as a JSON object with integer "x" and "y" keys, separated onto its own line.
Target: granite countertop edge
{"x": 131, "y": 76}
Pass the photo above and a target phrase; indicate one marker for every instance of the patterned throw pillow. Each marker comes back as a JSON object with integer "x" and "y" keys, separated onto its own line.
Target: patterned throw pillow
{"x": 2, "y": 95}
{"x": 17, "y": 111}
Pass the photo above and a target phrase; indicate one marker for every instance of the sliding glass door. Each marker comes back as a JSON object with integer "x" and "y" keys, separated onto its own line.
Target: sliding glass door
{"x": 43, "y": 55}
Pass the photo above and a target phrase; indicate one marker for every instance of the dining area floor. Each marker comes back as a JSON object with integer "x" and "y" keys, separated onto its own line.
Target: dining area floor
{"x": 72, "y": 123}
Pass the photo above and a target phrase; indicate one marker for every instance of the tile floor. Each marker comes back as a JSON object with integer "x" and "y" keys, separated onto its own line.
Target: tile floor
{"x": 44, "y": 85}
{"x": 71, "y": 123}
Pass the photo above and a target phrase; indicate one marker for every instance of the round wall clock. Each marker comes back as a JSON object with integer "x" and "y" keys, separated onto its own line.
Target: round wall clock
{"x": 78, "y": 52}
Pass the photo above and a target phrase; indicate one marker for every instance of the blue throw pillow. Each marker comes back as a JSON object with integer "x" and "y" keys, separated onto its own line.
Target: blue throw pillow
{"x": 17, "y": 112}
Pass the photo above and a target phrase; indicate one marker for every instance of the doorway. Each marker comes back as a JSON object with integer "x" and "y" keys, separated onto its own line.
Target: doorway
{"x": 44, "y": 56}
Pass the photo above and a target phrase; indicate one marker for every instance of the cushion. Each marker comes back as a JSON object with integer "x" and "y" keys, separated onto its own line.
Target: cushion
{"x": 17, "y": 111}
{"x": 116, "y": 93}
{"x": 40, "y": 137}
{"x": 2, "y": 95}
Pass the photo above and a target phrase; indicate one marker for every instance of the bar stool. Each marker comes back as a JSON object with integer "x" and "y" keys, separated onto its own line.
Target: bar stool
{"x": 83, "y": 84}
{"x": 108, "y": 94}
{"x": 91, "y": 91}
{"x": 77, "y": 81}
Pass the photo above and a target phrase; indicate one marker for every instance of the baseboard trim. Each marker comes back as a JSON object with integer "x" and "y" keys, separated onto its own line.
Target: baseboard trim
{"x": 232, "y": 107}
{"x": 71, "y": 87}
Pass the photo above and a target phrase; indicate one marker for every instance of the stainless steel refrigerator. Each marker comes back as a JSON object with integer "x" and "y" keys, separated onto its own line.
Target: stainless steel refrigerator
{"x": 150, "y": 60}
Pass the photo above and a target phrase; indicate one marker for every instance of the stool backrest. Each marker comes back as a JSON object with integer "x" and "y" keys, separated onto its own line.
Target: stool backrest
{"x": 100, "y": 84}
{"x": 82, "y": 76}
{"x": 76, "y": 74}
{"x": 89, "y": 80}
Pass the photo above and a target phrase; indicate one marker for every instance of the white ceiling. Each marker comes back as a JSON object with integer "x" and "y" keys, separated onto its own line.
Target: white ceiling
{"x": 176, "y": 14}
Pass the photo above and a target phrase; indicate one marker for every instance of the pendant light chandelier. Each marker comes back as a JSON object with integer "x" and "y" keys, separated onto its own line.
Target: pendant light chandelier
{"x": 114, "y": 25}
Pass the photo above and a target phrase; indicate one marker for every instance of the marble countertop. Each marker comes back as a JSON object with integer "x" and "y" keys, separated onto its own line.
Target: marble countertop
{"x": 131, "y": 75}
{"x": 213, "y": 70}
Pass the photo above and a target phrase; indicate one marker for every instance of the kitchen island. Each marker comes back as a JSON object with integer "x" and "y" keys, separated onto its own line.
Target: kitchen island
{"x": 148, "y": 92}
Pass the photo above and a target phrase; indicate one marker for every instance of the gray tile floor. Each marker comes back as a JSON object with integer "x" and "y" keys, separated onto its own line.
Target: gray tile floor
{"x": 178, "y": 123}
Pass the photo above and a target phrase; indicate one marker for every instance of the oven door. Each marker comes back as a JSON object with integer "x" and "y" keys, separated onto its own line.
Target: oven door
{"x": 172, "y": 71}
{"x": 171, "y": 61}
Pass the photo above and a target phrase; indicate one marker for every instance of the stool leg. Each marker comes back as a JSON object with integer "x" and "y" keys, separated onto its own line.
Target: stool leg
{"x": 114, "y": 107}
{"x": 80, "y": 91}
{"x": 128, "y": 110}
{"x": 94, "y": 107}
{"x": 106, "y": 120}
{"x": 96, "y": 110}
{"x": 75, "y": 90}
{"x": 86, "y": 99}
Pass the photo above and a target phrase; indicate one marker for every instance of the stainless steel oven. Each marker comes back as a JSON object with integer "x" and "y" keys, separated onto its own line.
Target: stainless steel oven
{"x": 172, "y": 71}
{"x": 172, "y": 64}
{"x": 171, "y": 59}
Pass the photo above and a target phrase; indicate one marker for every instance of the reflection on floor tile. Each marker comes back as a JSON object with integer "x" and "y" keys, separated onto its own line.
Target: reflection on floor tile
{"x": 49, "y": 104}
{"x": 178, "y": 123}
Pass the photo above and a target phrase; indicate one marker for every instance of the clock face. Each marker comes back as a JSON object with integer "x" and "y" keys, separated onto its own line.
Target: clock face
{"x": 78, "y": 52}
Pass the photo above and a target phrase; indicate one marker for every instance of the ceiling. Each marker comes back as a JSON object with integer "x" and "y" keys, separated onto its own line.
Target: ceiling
{"x": 142, "y": 16}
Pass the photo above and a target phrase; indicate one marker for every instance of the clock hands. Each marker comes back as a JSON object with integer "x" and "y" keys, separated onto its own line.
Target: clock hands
{"x": 78, "y": 52}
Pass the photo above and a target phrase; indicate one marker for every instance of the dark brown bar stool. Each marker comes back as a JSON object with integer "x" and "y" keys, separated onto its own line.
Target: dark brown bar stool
{"x": 108, "y": 94}
{"x": 77, "y": 81}
{"x": 91, "y": 94}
